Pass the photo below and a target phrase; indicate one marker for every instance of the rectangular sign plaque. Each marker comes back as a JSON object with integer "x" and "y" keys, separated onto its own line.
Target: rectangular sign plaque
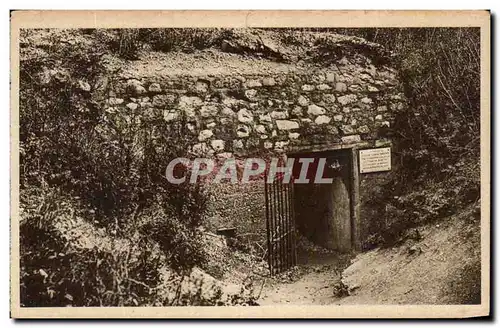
{"x": 375, "y": 160}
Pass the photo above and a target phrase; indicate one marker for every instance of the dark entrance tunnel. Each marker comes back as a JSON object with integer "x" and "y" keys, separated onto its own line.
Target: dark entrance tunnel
{"x": 323, "y": 211}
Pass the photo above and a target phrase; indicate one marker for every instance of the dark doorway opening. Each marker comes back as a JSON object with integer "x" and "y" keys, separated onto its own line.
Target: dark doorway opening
{"x": 323, "y": 212}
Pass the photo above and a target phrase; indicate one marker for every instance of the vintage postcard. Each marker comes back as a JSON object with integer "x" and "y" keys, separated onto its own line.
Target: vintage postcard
{"x": 250, "y": 164}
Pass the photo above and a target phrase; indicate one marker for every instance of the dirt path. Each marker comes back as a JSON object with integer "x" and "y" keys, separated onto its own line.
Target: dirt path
{"x": 309, "y": 283}
{"x": 441, "y": 267}
{"x": 312, "y": 288}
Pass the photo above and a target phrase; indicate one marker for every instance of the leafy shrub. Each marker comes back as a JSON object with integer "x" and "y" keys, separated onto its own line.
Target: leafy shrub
{"x": 56, "y": 272}
{"x": 110, "y": 167}
{"x": 437, "y": 134}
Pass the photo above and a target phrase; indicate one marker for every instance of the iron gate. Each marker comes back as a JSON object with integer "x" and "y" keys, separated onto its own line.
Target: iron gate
{"x": 281, "y": 235}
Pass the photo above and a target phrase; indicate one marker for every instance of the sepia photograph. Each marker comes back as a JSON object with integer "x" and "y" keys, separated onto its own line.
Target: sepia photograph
{"x": 197, "y": 164}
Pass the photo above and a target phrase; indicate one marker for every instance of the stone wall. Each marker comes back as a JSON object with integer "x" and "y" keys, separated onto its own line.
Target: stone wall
{"x": 240, "y": 206}
{"x": 275, "y": 109}
{"x": 244, "y": 114}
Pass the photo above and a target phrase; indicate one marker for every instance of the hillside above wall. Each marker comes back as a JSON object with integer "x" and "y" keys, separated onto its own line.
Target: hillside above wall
{"x": 250, "y": 51}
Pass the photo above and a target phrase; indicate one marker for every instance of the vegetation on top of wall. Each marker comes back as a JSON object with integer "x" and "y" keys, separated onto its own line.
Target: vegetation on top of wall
{"x": 318, "y": 46}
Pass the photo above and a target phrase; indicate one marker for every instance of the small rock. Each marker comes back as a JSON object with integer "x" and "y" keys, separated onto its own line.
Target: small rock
{"x": 268, "y": 81}
{"x": 253, "y": 84}
{"x": 351, "y": 139}
{"x": 243, "y": 131}
{"x": 135, "y": 87}
{"x": 355, "y": 88}
{"x": 170, "y": 115}
{"x": 340, "y": 87}
{"x": 115, "y": 101}
{"x": 315, "y": 110}
{"x": 297, "y": 111}
{"x": 265, "y": 118}
{"x": 260, "y": 128}
{"x": 329, "y": 98}
{"x": 366, "y": 100}
{"x": 201, "y": 86}
{"x": 237, "y": 144}
{"x": 226, "y": 111}
{"x": 225, "y": 155}
{"x": 244, "y": 116}
{"x": 132, "y": 106}
{"x": 200, "y": 148}
{"x": 230, "y": 102}
{"x": 347, "y": 129}
{"x": 185, "y": 101}
{"x": 363, "y": 129}
{"x": 208, "y": 111}
{"x": 303, "y": 101}
{"x": 205, "y": 134}
{"x": 154, "y": 87}
{"x": 251, "y": 94}
{"x": 307, "y": 87}
{"x": 277, "y": 115}
{"x": 347, "y": 99}
{"x": 280, "y": 145}
{"x": 218, "y": 145}
{"x": 338, "y": 118}
{"x": 322, "y": 119}
{"x": 287, "y": 125}
{"x": 330, "y": 77}
{"x": 318, "y": 78}
{"x": 323, "y": 87}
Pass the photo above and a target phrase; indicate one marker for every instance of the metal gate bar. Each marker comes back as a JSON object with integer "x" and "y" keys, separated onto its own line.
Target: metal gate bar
{"x": 280, "y": 224}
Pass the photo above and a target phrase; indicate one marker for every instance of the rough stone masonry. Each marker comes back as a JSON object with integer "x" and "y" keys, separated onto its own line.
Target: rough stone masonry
{"x": 240, "y": 101}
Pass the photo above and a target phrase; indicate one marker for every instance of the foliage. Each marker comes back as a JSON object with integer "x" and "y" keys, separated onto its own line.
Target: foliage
{"x": 437, "y": 135}
{"x": 56, "y": 271}
{"x": 109, "y": 167}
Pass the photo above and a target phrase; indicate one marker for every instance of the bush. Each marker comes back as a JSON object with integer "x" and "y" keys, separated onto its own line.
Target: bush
{"x": 437, "y": 134}
{"x": 108, "y": 168}
{"x": 57, "y": 271}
